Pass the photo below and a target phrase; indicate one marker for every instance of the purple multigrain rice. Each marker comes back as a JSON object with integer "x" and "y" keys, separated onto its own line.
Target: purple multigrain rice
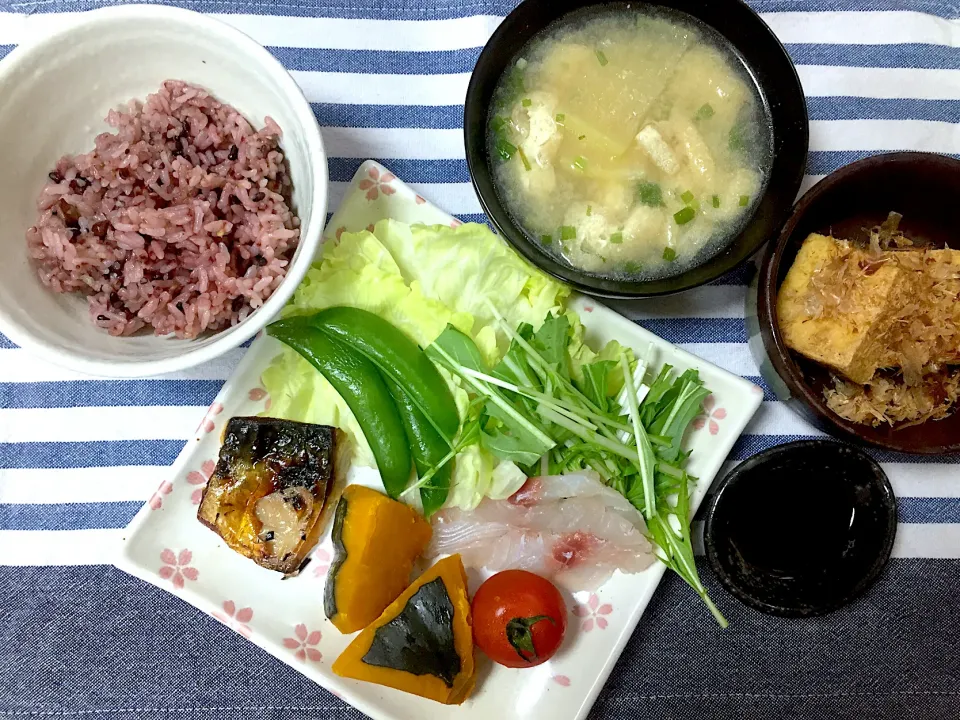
{"x": 157, "y": 225}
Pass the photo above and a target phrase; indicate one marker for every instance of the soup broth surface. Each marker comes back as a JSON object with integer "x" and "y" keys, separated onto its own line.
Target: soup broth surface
{"x": 629, "y": 142}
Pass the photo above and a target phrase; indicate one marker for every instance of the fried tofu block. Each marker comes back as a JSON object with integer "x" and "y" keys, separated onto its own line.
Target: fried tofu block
{"x": 851, "y": 342}
{"x": 269, "y": 488}
{"x": 936, "y": 303}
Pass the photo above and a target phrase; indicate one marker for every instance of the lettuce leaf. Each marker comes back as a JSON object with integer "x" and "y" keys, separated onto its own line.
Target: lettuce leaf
{"x": 468, "y": 268}
{"x": 360, "y": 272}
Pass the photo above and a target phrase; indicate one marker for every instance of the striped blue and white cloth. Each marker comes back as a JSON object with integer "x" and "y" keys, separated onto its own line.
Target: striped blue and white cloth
{"x": 387, "y": 79}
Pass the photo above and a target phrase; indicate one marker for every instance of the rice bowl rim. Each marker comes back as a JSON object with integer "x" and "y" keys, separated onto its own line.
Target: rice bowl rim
{"x": 247, "y": 50}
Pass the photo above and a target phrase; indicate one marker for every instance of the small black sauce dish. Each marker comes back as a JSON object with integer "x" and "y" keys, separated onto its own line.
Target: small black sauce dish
{"x": 801, "y": 529}
{"x": 768, "y": 65}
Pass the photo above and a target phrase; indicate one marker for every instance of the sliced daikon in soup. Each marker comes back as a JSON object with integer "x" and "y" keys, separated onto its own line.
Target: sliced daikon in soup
{"x": 607, "y": 87}
{"x": 629, "y": 142}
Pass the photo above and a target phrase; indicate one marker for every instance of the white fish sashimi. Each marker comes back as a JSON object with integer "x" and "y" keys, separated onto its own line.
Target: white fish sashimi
{"x": 571, "y": 528}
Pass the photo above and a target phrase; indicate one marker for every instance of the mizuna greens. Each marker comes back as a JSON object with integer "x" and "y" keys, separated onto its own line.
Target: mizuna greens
{"x": 535, "y": 411}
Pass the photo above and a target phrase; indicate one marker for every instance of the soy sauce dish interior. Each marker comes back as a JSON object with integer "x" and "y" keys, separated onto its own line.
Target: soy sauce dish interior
{"x": 629, "y": 142}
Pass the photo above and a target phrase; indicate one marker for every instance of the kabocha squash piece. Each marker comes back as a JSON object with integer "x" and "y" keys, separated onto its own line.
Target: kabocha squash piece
{"x": 268, "y": 491}
{"x": 423, "y": 642}
{"x": 376, "y": 540}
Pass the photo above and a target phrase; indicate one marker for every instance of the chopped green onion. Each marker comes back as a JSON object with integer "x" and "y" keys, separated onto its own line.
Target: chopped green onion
{"x": 505, "y": 149}
{"x": 526, "y": 102}
{"x": 616, "y": 238}
{"x": 744, "y": 200}
{"x": 582, "y": 137}
{"x": 589, "y": 210}
{"x": 687, "y": 197}
{"x": 705, "y": 112}
{"x": 602, "y": 58}
{"x": 649, "y": 193}
{"x": 560, "y": 117}
{"x": 737, "y": 142}
{"x": 568, "y": 232}
{"x": 716, "y": 201}
{"x": 685, "y": 215}
{"x": 669, "y": 254}
{"x": 514, "y": 83}
{"x": 523, "y": 159}
{"x": 632, "y": 267}
{"x": 497, "y": 124}
{"x": 546, "y": 239}
{"x": 580, "y": 163}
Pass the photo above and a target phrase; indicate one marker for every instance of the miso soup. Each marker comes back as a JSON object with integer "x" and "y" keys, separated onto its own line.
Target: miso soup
{"x": 629, "y": 141}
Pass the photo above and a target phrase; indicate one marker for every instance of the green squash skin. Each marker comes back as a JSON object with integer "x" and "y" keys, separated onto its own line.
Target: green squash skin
{"x": 339, "y": 557}
{"x": 420, "y": 639}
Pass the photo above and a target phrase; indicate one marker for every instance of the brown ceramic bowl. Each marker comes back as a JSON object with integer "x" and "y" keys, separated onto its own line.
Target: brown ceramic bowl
{"x": 924, "y": 188}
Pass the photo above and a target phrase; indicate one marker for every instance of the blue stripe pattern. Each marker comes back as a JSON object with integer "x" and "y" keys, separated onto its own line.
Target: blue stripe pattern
{"x": 749, "y": 445}
{"x": 103, "y": 453}
{"x": 430, "y": 117}
{"x": 108, "y": 393}
{"x": 392, "y": 62}
{"x": 859, "y": 108}
{"x": 411, "y": 171}
{"x": 68, "y": 516}
{"x": 698, "y": 330}
{"x": 446, "y": 9}
{"x": 878, "y": 56}
{"x": 825, "y": 162}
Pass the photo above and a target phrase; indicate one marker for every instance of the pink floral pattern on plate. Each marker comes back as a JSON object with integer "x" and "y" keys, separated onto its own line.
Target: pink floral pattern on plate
{"x": 260, "y": 393}
{"x": 593, "y": 613}
{"x": 156, "y": 500}
{"x": 321, "y": 562}
{"x": 234, "y": 618}
{"x": 200, "y": 478}
{"x": 304, "y": 644}
{"x": 375, "y": 183}
{"x": 209, "y": 420}
{"x": 176, "y": 567}
{"x": 562, "y": 680}
{"x": 710, "y": 417}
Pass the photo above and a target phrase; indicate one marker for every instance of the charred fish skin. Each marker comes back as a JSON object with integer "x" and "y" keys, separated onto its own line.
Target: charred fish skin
{"x": 268, "y": 491}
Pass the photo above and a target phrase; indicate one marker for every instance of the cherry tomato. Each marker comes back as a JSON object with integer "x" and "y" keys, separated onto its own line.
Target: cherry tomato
{"x": 518, "y": 618}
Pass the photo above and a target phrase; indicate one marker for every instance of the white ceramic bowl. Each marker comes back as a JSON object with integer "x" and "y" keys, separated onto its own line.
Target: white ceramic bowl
{"x": 55, "y": 93}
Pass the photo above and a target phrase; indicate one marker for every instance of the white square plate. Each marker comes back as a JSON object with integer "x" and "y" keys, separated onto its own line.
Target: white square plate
{"x": 167, "y": 546}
